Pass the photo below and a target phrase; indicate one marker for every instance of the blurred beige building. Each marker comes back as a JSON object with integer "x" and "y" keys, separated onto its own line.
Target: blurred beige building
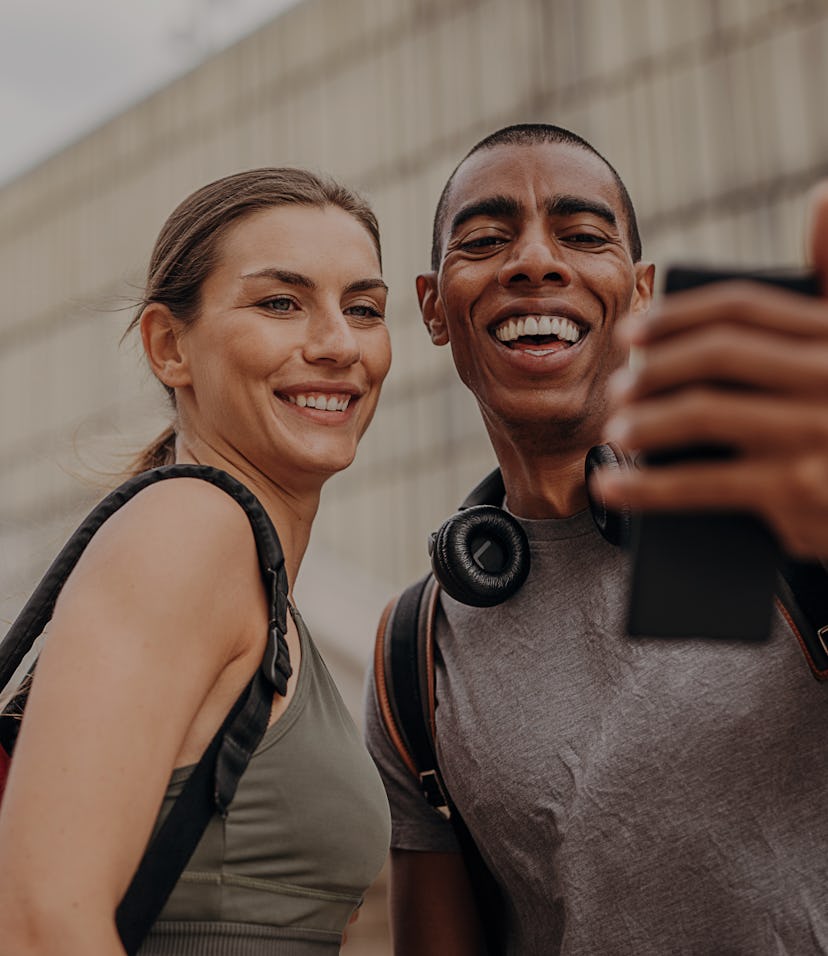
{"x": 711, "y": 110}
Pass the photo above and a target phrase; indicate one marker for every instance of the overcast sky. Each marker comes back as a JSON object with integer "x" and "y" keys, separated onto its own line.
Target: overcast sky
{"x": 67, "y": 65}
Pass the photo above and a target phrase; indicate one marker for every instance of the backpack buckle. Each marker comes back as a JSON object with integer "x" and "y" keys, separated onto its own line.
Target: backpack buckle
{"x": 434, "y": 793}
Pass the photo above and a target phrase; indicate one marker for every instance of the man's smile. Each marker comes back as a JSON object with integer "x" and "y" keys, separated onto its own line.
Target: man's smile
{"x": 531, "y": 331}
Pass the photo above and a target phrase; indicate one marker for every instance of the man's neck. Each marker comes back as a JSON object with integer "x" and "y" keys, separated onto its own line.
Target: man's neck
{"x": 548, "y": 486}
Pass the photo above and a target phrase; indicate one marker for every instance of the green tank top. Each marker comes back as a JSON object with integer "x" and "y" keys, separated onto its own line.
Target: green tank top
{"x": 306, "y": 834}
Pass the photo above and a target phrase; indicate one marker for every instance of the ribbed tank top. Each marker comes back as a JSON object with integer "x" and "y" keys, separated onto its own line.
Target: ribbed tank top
{"x": 306, "y": 834}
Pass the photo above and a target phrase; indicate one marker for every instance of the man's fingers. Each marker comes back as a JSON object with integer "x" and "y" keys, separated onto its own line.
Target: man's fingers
{"x": 742, "y": 357}
{"x": 818, "y": 238}
{"x": 756, "y": 424}
{"x": 791, "y": 496}
{"x": 739, "y": 303}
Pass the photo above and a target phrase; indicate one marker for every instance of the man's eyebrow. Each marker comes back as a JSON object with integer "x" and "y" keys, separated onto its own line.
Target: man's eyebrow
{"x": 366, "y": 285}
{"x": 496, "y": 207}
{"x": 282, "y": 275}
{"x": 572, "y": 205}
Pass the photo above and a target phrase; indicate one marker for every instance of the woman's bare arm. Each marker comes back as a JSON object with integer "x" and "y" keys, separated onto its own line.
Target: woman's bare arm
{"x": 145, "y": 655}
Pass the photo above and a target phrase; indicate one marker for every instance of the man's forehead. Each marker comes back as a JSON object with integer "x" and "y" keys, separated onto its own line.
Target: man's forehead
{"x": 546, "y": 169}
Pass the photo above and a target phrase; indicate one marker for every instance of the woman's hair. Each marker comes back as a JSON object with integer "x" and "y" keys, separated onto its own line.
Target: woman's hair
{"x": 188, "y": 248}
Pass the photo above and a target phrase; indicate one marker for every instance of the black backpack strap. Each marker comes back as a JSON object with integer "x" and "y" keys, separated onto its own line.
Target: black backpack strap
{"x": 405, "y": 684}
{"x": 212, "y": 784}
{"x": 37, "y": 611}
{"x": 177, "y": 838}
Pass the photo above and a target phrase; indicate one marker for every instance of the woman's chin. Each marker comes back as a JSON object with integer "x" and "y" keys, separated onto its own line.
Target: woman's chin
{"x": 328, "y": 463}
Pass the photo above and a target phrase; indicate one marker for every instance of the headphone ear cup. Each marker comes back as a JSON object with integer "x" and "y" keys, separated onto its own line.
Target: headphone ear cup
{"x": 614, "y": 525}
{"x": 480, "y": 556}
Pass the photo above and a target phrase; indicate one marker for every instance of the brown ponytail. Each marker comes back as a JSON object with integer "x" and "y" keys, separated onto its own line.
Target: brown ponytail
{"x": 157, "y": 453}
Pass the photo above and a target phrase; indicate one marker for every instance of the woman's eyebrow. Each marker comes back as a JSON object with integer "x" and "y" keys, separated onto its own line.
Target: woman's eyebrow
{"x": 366, "y": 285}
{"x": 282, "y": 275}
{"x": 496, "y": 207}
{"x": 305, "y": 282}
{"x": 572, "y": 205}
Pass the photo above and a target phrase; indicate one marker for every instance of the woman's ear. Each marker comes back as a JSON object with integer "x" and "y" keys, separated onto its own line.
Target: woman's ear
{"x": 161, "y": 333}
{"x": 431, "y": 308}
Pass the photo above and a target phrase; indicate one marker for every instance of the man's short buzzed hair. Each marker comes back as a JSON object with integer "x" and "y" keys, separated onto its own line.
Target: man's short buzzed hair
{"x": 533, "y": 134}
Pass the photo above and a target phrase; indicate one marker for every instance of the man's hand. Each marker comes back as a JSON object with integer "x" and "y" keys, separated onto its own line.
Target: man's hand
{"x": 742, "y": 365}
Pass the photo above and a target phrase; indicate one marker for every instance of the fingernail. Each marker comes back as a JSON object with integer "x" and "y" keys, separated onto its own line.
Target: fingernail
{"x": 617, "y": 429}
{"x": 635, "y": 361}
{"x": 629, "y": 329}
{"x": 633, "y": 329}
{"x": 619, "y": 383}
{"x": 607, "y": 485}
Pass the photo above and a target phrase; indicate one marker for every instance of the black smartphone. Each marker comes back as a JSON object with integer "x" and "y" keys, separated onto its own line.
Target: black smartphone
{"x": 710, "y": 574}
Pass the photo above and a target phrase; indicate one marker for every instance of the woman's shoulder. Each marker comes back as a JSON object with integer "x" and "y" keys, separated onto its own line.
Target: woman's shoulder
{"x": 191, "y": 507}
{"x": 176, "y": 566}
{"x": 185, "y": 531}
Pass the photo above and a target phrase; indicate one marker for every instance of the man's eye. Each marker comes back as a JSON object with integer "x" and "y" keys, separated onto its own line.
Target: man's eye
{"x": 481, "y": 243}
{"x": 585, "y": 239}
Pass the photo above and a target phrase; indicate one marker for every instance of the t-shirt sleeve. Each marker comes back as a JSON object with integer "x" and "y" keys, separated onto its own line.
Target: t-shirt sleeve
{"x": 414, "y": 824}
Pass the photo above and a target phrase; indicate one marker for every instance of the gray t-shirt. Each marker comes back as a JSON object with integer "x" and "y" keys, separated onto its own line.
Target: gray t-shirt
{"x": 632, "y": 796}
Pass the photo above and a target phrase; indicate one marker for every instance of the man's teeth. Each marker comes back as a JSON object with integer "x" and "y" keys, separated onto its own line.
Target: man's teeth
{"x": 513, "y": 329}
{"x": 327, "y": 403}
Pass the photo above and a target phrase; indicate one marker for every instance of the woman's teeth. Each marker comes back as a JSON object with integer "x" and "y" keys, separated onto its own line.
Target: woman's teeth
{"x": 540, "y": 325}
{"x": 327, "y": 403}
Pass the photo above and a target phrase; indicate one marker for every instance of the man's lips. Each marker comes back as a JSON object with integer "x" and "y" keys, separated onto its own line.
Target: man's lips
{"x": 551, "y": 324}
{"x": 543, "y": 329}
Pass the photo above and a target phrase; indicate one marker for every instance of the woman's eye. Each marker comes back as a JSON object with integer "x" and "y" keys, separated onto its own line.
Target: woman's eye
{"x": 364, "y": 310}
{"x": 279, "y": 303}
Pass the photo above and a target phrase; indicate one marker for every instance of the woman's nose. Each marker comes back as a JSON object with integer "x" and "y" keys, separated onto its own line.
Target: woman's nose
{"x": 332, "y": 339}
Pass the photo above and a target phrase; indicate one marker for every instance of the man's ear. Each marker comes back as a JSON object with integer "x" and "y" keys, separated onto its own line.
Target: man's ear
{"x": 431, "y": 308}
{"x": 644, "y": 286}
{"x": 161, "y": 333}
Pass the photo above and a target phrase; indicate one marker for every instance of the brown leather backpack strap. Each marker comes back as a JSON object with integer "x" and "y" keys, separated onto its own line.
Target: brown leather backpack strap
{"x": 404, "y": 674}
{"x": 381, "y": 684}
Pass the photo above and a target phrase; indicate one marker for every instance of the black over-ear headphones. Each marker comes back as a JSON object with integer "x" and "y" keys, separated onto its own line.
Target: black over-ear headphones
{"x": 480, "y": 555}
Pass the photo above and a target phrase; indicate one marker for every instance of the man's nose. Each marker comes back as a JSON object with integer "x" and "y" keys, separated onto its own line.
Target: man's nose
{"x": 536, "y": 259}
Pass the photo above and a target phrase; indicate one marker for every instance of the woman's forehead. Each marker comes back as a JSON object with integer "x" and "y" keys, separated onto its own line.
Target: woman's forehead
{"x": 296, "y": 232}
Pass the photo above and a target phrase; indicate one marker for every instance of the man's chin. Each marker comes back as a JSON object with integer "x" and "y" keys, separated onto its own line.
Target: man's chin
{"x": 544, "y": 423}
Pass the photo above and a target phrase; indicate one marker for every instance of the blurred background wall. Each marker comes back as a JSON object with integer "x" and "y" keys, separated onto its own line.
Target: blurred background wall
{"x": 711, "y": 110}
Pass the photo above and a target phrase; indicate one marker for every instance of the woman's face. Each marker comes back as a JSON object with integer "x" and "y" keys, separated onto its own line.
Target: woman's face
{"x": 290, "y": 348}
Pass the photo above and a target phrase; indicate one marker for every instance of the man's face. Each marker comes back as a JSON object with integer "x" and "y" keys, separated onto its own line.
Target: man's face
{"x": 535, "y": 271}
